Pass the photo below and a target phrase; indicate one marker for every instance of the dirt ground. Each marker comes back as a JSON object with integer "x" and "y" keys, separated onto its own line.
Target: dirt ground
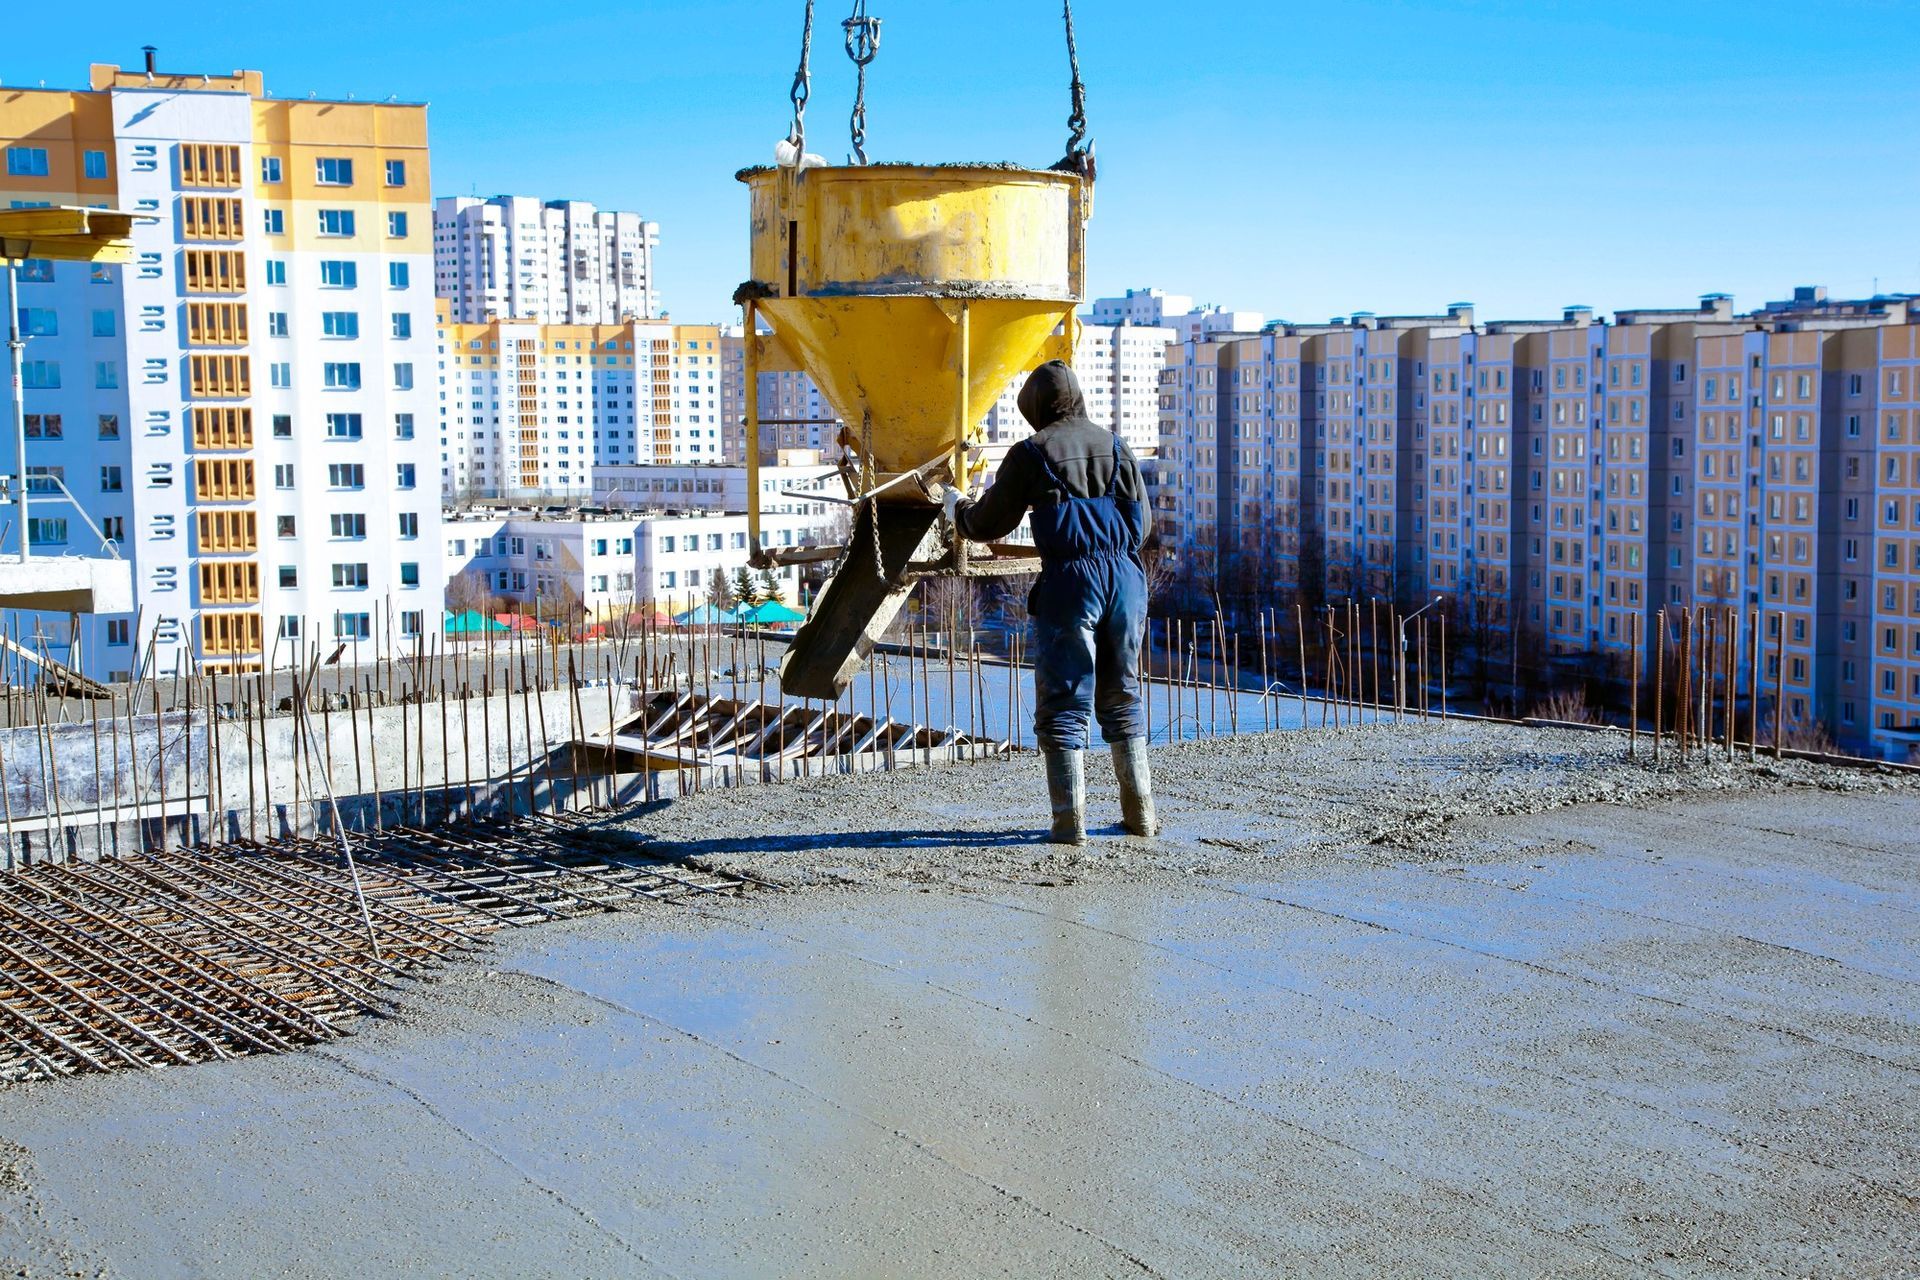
{"x": 1418, "y": 1000}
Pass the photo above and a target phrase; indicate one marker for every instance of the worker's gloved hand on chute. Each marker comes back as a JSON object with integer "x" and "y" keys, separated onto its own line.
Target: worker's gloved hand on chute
{"x": 950, "y": 500}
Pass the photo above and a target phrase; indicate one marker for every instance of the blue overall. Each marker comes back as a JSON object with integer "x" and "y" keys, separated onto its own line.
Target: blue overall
{"x": 1087, "y": 615}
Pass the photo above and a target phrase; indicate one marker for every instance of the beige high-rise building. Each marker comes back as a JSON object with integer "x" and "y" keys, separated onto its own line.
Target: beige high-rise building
{"x": 248, "y": 408}
{"x": 1560, "y": 482}
{"x": 531, "y": 409}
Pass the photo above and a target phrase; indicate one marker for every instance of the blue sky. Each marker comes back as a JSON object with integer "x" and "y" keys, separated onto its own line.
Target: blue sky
{"x": 1305, "y": 160}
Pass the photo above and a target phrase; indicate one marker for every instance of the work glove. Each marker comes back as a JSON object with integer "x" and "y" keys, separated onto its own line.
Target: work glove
{"x": 950, "y": 501}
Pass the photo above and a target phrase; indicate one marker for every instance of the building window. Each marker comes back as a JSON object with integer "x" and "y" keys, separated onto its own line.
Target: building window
{"x": 397, "y": 225}
{"x": 409, "y": 573}
{"x": 280, "y": 374}
{"x": 411, "y": 620}
{"x": 94, "y": 165}
{"x": 336, "y": 274}
{"x": 283, "y": 426}
{"x": 111, "y": 480}
{"x": 106, "y": 374}
{"x": 333, "y": 171}
{"x": 336, "y": 222}
{"x": 346, "y": 475}
{"x": 402, "y": 325}
{"x": 45, "y": 426}
{"x": 270, "y": 169}
{"x": 283, "y": 475}
{"x": 105, "y": 324}
{"x": 343, "y": 426}
{"x": 340, "y": 324}
{"x": 342, "y": 376}
{"x": 41, "y": 375}
{"x": 275, "y": 220}
{"x": 348, "y": 524}
{"x": 396, "y": 173}
{"x": 276, "y": 271}
{"x": 109, "y": 426}
{"x": 403, "y": 426}
{"x": 403, "y": 475}
{"x": 352, "y": 626}
{"x": 403, "y": 377}
{"x": 276, "y": 324}
{"x": 289, "y": 576}
{"x": 47, "y": 531}
{"x": 397, "y": 275}
{"x": 350, "y": 577}
{"x": 26, "y": 162}
{"x": 409, "y": 524}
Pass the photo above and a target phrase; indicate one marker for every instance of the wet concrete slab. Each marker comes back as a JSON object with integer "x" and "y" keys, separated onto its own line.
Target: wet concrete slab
{"x": 1659, "y": 1039}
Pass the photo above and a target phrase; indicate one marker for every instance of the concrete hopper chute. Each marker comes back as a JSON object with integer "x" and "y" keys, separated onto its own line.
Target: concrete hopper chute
{"x": 912, "y": 296}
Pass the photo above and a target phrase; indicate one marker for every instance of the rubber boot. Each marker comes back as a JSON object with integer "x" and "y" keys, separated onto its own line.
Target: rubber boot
{"x": 1067, "y": 788}
{"x": 1135, "y": 776}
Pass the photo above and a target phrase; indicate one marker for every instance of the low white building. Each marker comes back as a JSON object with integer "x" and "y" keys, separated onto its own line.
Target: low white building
{"x": 705, "y": 487}
{"x": 656, "y": 535}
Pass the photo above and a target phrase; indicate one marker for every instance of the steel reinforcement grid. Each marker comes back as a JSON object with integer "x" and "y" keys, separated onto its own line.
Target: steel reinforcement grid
{"x": 172, "y": 956}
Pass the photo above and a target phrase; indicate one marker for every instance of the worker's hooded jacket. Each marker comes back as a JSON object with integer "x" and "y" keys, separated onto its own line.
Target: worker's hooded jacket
{"x": 1066, "y": 448}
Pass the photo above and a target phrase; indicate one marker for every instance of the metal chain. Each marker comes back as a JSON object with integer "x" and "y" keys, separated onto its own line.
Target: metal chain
{"x": 872, "y": 504}
{"x": 863, "y": 42}
{"x": 1077, "y": 120}
{"x": 802, "y": 90}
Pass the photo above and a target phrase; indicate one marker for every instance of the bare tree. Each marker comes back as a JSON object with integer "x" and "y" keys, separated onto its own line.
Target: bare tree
{"x": 471, "y": 590}
{"x": 564, "y": 601}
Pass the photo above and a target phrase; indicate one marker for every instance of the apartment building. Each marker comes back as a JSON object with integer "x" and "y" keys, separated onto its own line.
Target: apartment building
{"x": 530, "y": 409}
{"x": 1151, "y": 308}
{"x": 547, "y": 261}
{"x": 1145, "y": 307}
{"x": 248, "y": 406}
{"x": 1569, "y": 478}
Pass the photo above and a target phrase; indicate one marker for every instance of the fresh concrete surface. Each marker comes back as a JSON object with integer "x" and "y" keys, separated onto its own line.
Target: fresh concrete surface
{"x": 1436, "y": 1000}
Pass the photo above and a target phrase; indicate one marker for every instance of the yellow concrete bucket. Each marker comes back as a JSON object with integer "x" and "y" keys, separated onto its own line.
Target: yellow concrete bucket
{"x": 914, "y": 294}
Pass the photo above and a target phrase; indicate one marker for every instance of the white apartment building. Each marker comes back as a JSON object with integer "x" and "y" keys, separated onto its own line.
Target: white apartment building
{"x": 248, "y": 407}
{"x": 793, "y": 413}
{"x": 552, "y": 262}
{"x": 529, "y": 410}
{"x": 1139, "y": 306}
{"x": 1119, "y": 371}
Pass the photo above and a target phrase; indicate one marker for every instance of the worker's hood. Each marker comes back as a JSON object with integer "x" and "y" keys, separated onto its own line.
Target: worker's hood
{"x": 1052, "y": 394}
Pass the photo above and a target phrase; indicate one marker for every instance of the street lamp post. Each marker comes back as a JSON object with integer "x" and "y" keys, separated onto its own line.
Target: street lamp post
{"x": 16, "y": 367}
{"x": 1400, "y": 683}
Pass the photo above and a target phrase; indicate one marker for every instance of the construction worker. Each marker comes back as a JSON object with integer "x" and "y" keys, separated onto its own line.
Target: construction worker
{"x": 1088, "y": 611}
